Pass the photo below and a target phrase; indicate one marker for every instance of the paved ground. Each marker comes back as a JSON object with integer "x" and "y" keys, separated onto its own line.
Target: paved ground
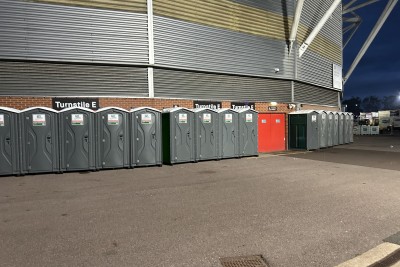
{"x": 294, "y": 211}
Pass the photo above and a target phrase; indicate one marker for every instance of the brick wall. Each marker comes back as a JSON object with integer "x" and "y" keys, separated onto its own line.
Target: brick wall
{"x": 24, "y": 102}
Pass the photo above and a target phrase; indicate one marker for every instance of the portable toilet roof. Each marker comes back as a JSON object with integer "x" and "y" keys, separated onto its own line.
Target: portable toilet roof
{"x": 107, "y": 108}
{"x": 246, "y": 109}
{"x": 80, "y": 108}
{"x": 10, "y": 109}
{"x": 44, "y": 108}
{"x": 176, "y": 109}
{"x": 140, "y": 108}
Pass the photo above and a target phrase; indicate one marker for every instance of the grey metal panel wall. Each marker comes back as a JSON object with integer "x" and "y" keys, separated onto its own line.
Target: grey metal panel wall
{"x": 315, "y": 69}
{"x": 284, "y": 7}
{"x": 310, "y": 94}
{"x": 50, "y": 79}
{"x": 184, "y": 84}
{"x": 312, "y": 13}
{"x": 194, "y": 46}
{"x": 63, "y": 33}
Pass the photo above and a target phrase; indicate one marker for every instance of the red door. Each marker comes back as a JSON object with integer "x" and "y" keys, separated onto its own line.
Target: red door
{"x": 271, "y": 132}
{"x": 263, "y": 132}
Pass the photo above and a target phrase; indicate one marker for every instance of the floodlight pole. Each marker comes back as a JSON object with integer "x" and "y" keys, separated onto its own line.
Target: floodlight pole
{"x": 295, "y": 24}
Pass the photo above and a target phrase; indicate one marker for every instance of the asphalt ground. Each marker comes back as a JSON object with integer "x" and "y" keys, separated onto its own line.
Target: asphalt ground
{"x": 302, "y": 209}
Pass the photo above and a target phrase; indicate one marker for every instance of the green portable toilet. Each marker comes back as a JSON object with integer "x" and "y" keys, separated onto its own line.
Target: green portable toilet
{"x": 206, "y": 133}
{"x": 323, "y": 125}
{"x": 335, "y": 129}
{"x": 248, "y": 132}
{"x": 351, "y": 126}
{"x": 303, "y": 130}
{"x": 331, "y": 123}
{"x": 178, "y": 135}
{"x": 228, "y": 133}
{"x": 341, "y": 123}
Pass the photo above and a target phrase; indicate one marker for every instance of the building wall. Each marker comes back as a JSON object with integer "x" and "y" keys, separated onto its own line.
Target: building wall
{"x": 214, "y": 49}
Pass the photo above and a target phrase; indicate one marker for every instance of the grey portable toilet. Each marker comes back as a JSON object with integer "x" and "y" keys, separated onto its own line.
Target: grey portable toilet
{"x": 351, "y": 132}
{"x": 9, "y": 140}
{"x": 113, "y": 138}
{"x": 248, "y": 132}
{"x": 206, "y": 133}
{"x": 335, "y": 129}
{"x": 39, "y": 140}
{"x": 178, "y": 135}
{"x": 323, "y": 126}
{"x": 228, "y": 133}
{"x": 304, "y": 130}
{"x": 330, "y": 122}
{"x": 77, "y": 139}
{"x": 346, "y": 132}
{"x": 146, "y": 139}
{"x": 341, "y": 124}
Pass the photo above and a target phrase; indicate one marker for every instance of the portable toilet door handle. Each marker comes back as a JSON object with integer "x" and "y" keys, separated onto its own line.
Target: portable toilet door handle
{"x": 86, "y": 138}
{"x": 8, "y": 140}
{"x": 121, "y": 137}
{"x": 48, "y": 139}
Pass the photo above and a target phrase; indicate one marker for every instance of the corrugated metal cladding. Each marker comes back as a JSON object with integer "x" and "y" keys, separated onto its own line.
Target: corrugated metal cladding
{"x": 127, "y": 5}
{"x": 310, "y": 94}
{"x": 183, "y": 84}
{"x": 194, "y": 46}
{"x": 63, "y": 33}
{"x": 285, "y": 7}
{"x": 315, "y": 69}
{"x": 226, "y": 14}
{"x": 328, "y": 42}
{"x": 50, "y": 79}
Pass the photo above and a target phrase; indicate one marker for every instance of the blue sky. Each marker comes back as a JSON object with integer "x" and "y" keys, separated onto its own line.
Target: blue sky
{"x": 378, "y": 72}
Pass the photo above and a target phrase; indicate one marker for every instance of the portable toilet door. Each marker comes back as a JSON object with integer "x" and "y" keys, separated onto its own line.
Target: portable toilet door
{"x": 206, "y": 134}
{"x": 228, "y": 140}
{"x": 146, "y": 137}
{"x": 335, "y": 129}
{"x": 346, "y": 132}
{"x": 248, "y": 132}
{"x": 178, "y": 135}
{"x": 39, "y": 140}
{"x": 351, "y": 132}
{"x": 9, "y": 140}
{"x": 113, "y": 138}
{"x": 330, "y": 121}
{"x": 323, "y": 128}
{"x": 304, "y": 130}
{"x": 78, "y": 140}
{"x": 341, "y": 128}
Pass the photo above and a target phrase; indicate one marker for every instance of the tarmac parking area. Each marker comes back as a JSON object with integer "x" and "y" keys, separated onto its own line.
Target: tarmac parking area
{"x": 300, "y": 209}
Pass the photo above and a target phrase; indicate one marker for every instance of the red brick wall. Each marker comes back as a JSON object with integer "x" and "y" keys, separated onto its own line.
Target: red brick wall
{"x": 24, "y": 102}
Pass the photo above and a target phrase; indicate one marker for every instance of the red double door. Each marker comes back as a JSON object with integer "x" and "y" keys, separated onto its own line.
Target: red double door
{"x": 271, "y": 132}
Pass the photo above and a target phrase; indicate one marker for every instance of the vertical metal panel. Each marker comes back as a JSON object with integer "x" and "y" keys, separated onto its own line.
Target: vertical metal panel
{"x": 184, "y": 84}
{"x": 49, "y": 79}
{"x": 310, "y": 94}
{"x": 193, "y": 46}
{"x": 62, "y": 33}
{"x": 127, "y": 5}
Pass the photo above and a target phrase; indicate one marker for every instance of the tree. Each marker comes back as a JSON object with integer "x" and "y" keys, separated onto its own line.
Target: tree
{"x": 353, "y": 105}
{"x": 371, "y": 104}
{"x": 390, "y": 102}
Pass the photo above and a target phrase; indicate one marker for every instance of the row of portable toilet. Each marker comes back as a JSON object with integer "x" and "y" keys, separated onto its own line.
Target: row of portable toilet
{"x": 365, "y": 130}
{"x": 191, "y": 135}
{"x": 39, "y": 139}
{"x": 314, "y": 129}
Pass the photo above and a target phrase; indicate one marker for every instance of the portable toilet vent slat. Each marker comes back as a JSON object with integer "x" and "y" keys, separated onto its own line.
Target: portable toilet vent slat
{"x": 9, "y": 140}
{"x": 178, "y": 135}
{"x": 228, "y": 141}
{"x": 248, "y": 132}
{"x": 78, "y": 139}
{"x": 39, "y": 140}
{"x": 206, "y": 134}
{"x": 304, "y": 130}
{"x": 146, "y": 136}
{"x": 113, "y": 138}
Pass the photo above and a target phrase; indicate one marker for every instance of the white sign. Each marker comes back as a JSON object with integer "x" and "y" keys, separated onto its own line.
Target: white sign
{"x": 39, "y": 119}
{"x": 1, "y": 119}
{"x": 146, "y": 118}
{"x": 314, "y": 118}
{"x": 228, "y": 118}
{"x": 182, "y": 118}
{"x": 77, "y": 119}
{"x": 337, "y": 76}
{"x": 112, "y": 119}
{"x": 278, "y": 121}
{"x": 330, "y": 116}
{"x": 249, "y": 117}
{"x": 206, "y": 118}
